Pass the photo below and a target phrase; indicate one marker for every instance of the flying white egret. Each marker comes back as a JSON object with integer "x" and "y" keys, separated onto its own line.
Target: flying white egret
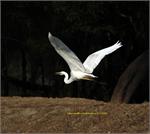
{"x": 78, "y": 70}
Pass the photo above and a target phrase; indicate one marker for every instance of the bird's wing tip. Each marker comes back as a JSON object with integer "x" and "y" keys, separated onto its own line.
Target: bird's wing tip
{"x": 119, "y": 43}
{"x": 49, "y": 35}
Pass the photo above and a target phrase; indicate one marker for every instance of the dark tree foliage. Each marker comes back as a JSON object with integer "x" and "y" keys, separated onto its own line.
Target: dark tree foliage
{"x": 29, "y": 62}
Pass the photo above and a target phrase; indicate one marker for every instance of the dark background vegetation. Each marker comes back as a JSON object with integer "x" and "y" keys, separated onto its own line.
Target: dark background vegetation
{"x": 29, "y": 62}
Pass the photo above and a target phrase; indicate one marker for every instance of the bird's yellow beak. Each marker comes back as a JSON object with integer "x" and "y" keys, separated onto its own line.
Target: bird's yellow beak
{"x": 57, "y": 73}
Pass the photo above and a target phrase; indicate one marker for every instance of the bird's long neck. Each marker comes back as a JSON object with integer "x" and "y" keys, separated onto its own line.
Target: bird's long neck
{"x": 66, "y": 80}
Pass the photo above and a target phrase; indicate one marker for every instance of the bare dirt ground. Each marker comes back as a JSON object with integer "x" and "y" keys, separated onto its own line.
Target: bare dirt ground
{"x": 71, "y": 115}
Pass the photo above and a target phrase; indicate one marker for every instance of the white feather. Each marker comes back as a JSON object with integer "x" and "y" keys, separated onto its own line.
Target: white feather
{"x": 79, "y": 70}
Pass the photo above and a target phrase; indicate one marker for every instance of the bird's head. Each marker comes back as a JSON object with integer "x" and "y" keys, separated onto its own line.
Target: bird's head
{"x": 66, "y": 80}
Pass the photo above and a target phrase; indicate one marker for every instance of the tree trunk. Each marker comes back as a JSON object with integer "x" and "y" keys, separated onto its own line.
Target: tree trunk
{"x": 131, "y": 79}
{"x": 5, "y": 87}
{"x": 24, "y": 71}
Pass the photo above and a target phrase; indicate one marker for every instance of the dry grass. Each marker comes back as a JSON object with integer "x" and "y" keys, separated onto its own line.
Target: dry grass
{"x": 41, "y": 115}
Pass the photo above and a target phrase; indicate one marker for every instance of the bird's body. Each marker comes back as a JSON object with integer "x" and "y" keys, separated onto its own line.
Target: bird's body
{"x": 78, "y": 70}
{"x": 76, "y": 75}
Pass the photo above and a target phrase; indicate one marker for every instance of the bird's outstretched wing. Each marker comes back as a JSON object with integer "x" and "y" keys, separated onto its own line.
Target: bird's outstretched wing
{"x": 69, "y": 56}
{"x": 94, "y": 59}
